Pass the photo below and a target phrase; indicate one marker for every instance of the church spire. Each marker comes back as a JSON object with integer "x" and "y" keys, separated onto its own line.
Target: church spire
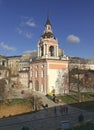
{"x": 48, "y": 26}
{"x": 48, "y": 22}
{"x": 48, "y": 45}
{"x": 48, "y": 30}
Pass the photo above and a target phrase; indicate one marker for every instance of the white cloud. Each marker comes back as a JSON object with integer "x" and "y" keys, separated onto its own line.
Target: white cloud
{"x": 30, "y": 23}
{"x": 6, "y": 47}
{"x": 28, "y": 35}
{"x": 27, "y": 21}
{"x": 23, "y": 29}
{"x": 24, "y": 33}
{"x": 73, "y": 39}
{"x": 25, "y": 17}
{"x": 19, "y": 31}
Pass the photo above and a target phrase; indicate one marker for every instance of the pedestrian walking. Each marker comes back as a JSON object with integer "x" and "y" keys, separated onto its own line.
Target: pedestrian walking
{"x": 81, "y": 118}
{"x": 61, "y": 110}
{"x": 55, "y": 111}
{"x": 46, "y": 106}
{"x": 54, "y": 98}
{"x": 66, "y": 109}
{"x": 25, "y": 128}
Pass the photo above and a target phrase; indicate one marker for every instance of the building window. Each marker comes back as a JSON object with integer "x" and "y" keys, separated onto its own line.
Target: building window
{"x": 42, "y": 73}
{"x": 51, "y": 49}
{"x": 42, "y": 88}
{"x": 36, "y": 74}
{"x": 36, "y": 66}
{"x": 49, "y": 28}
{"x": 42, "y": 49}
{"x": 42, "y": 66}
{"x": 37, "y": 85}
{"x": 31, "y": 74}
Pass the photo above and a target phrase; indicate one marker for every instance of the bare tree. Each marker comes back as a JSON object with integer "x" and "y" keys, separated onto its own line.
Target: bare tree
{"x": 36, "y": 102}
{"x": 75, "y": 81}
{"x": 80, "y": 79}
{"x": 61, "y": 81}
{"x": 3, "y": 89}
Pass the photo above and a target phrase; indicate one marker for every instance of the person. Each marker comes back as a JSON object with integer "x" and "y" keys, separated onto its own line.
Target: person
{"x": 55, "y": 111}
{"x": 25, "y": 128}
{"x": 81, "y": 117}
{"x": 46, "y": 106}
{"x": 54, "y": 98}
{"x": 66, "y": 109}
{"x": 61, "y": 110}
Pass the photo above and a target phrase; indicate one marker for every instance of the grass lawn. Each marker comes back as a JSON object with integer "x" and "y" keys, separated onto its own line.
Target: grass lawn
{"x": 15, "y": 107}
{"x": 87, "y": 100}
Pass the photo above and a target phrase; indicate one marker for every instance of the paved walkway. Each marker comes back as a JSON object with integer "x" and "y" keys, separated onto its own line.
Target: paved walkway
{"x": 47, "y": 119}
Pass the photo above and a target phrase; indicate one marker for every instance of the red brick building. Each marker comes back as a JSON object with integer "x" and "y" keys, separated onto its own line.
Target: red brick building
{"x": 49, "y": 71}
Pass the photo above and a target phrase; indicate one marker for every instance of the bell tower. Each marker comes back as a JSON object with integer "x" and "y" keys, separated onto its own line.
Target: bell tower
{"x": 48, "y": 45}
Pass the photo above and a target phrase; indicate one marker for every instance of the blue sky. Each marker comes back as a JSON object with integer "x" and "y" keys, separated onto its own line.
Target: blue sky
{"x": 22, "y": 23}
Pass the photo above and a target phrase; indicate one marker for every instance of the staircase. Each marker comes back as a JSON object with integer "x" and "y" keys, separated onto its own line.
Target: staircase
{"x": 44, "y": 99}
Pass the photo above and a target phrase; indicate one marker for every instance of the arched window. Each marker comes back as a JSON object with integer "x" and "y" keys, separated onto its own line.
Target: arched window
{"x": 41, "y": 50}
{"x": 51, "y": 49}
{"x": 42, "y": 73}
{"x": 42, "y": 88}
{"x": 36, "y": 74}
